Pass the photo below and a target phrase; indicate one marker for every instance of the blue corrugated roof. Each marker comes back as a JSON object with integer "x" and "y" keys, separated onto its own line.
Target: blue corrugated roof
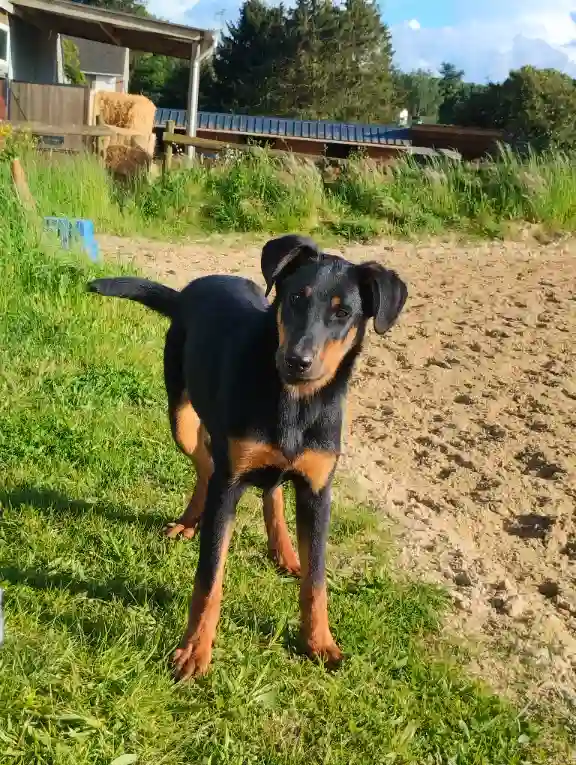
{"x": 275, "y": 126}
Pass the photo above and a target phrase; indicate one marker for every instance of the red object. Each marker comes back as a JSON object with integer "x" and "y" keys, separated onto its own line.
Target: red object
{"x": 3, "y": 96}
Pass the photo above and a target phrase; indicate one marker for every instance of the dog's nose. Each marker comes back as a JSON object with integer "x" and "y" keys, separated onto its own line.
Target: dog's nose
{"x": 299, "y": 363}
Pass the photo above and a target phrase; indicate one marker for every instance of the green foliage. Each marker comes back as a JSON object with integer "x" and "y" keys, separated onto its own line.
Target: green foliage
{"x": 96, "y": 599}
{"x": 14, "y": 143}
{"x": 536, "y": 107}
{"x": 314, "y": 60}
{"x": 71, "y": 57}
{"x": 454, "y": 92}
{"x": 262, "y": 193}
{"x": 419, "y": 92}
{"x": 246, "y": 76}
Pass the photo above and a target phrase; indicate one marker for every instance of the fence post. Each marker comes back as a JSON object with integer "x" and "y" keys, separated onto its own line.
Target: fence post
{"x": 167, "y": 157}
{"x": 100, "y": 140}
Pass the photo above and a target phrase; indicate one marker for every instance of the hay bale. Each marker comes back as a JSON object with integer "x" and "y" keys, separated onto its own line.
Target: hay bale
{"x": 127, "y": 161}
{"x": 124, "y": 110}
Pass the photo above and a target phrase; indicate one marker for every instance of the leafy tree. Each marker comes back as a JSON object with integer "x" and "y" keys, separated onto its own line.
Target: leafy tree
{"x": 71, "y": 58}
{"x": 451, "y": 80}
{"x": 150, "y": 73}
{"x": 419, "y": 92}
{"x": 451, "y": 88}
{"x": 454, "y": 91}
{"x": 536, "y": 107}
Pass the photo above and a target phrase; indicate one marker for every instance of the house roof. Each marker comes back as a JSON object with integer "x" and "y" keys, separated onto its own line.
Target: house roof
{"x": 100, "y": 58}
{"x": 121, "y": 29}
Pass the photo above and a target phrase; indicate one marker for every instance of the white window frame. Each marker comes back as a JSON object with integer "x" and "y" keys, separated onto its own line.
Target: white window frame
{"x": 8, "y": 60}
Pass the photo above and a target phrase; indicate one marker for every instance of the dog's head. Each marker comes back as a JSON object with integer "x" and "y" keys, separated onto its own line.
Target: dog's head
{"x": 322, "y": 305}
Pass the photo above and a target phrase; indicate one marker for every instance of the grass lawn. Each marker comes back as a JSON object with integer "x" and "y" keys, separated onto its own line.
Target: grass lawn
{"x": 96, "y": 599}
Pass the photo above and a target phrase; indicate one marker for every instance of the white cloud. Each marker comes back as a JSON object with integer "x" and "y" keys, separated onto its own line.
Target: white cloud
{"x": 493, "y": 37}
{"x": 489, "y": 38}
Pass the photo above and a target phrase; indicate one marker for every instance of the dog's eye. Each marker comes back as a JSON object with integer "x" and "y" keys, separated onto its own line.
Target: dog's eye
{"x": 342, "y": 313}
{"x": 296, "y": 298}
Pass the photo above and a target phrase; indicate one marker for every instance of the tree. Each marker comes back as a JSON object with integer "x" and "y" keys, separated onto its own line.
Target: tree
{"x": 71, "y": 57}
{"x": 150, "y": 74}
{"x": 245, "y": 67}
{"x": 315, "y": 60}
{"x": 535, "y": 107}
{"x": 419, "y": 92}
{"x": 451, "y": 88}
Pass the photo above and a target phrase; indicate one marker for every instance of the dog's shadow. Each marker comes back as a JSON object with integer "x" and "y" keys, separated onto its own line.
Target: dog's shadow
{"x": 44, "y": 500}
{"x": 130, "y": 592}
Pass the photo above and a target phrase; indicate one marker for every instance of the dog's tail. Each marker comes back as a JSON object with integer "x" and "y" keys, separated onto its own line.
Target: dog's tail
{"x": 151, "y": 294}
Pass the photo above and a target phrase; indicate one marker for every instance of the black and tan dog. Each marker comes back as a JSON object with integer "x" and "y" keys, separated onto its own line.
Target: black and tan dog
{"x": 255, "y": 397}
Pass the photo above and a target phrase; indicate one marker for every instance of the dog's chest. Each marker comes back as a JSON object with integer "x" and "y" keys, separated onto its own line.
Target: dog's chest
{"x": 248, "y": 457}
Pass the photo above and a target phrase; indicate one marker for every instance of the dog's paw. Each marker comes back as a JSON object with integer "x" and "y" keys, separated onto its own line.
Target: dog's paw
{"x": 193, "y": 660}
{"x": 328, "y": 653}
{"x": 178, "y": 529}
{"x": 287, "y": 564}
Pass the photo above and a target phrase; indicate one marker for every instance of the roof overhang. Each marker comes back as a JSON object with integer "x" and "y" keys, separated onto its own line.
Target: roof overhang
{"x": 123, "y": 29}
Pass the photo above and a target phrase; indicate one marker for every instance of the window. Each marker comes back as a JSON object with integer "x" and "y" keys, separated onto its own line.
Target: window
{"x": 3, "y": 42}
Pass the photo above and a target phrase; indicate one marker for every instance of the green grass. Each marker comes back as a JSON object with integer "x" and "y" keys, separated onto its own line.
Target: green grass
{"x": 260, "y": 193}
{"x": 96, "y": 599}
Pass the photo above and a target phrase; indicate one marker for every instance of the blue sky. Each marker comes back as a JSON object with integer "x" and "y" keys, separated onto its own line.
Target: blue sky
{"x": 486, "y": 38}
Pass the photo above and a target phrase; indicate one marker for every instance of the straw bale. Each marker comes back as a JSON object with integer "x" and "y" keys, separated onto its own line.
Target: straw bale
{"x": 124, "y": 110}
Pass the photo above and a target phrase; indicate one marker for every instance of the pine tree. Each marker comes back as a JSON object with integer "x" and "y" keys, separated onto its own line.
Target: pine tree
{"x": 316, "y": 60}
{"x": 245, "y": 67}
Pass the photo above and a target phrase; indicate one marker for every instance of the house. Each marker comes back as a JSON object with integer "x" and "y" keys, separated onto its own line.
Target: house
{"x": 31, "y": 54}
{"x": 105, "y": 67}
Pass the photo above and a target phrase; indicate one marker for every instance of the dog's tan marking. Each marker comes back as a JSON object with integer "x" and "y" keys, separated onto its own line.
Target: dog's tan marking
{"x": 314, "y": 465}
{"x": 195, "y": 653}
{"x": 280, "y": 325}
{"x": 247, "y": 455}
{"x": 331, "y": 355}
{"x": 185, "y": 425}
{"x": 190, "y": 435}
{"x": 314, "y": 625}
{"x": 335, "y": 302}
{"x": 308, "y": 291}
{"x": 280, "y": 547}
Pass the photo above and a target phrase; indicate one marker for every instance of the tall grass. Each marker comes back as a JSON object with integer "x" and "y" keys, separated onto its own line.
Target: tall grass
{"x": 261, "y": 193}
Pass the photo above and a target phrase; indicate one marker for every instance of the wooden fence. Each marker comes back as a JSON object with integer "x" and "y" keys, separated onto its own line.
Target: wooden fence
{"x": 54, "y": 105}
{"x": 57, "y": 137}
{"x": 171, "y": 138}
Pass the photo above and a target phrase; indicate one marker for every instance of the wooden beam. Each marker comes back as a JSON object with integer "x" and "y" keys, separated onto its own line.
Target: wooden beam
{"x": 209, "y": 145}
{"x": 42, "y": 128}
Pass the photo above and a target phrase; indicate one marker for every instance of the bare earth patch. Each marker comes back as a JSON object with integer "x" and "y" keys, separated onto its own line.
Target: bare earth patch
{"x": 462, "y": 428}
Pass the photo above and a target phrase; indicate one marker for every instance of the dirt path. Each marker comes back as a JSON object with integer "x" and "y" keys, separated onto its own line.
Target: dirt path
{"x": 462, "y": 427}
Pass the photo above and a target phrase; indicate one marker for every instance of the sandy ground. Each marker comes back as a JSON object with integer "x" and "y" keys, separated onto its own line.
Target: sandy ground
{"x": 462, "y": 428}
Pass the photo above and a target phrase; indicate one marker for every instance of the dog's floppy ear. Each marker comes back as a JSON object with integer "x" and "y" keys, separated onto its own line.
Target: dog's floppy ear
{"x": 285, "y": 254}
{"x": 383, "y": 294}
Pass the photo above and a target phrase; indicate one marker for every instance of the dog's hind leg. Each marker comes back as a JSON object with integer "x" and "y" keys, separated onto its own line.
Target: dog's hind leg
{"x": 188, "y": 433}
{"x": 188, "y": 523}
{"x": 280, "y": 547}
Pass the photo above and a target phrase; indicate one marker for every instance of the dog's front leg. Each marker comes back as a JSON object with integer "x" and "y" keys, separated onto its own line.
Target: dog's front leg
{"x": 195, "y": 652}
{"x": 312, "y": 522}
